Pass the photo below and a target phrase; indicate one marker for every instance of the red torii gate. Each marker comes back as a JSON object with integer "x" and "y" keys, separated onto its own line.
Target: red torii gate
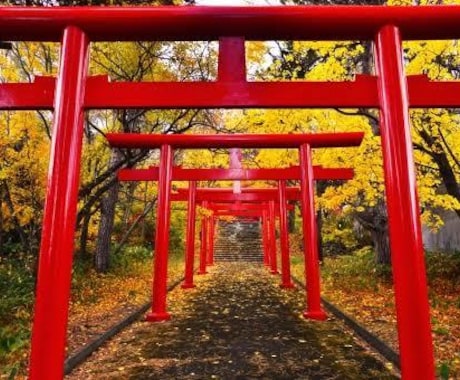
{"x": 255, "y": 195}
{"x": 259, "y": 211}
{"x": 390, "y": 91}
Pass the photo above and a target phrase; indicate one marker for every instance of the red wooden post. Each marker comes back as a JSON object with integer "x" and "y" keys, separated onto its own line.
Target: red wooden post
{"x": 211, "y": 227}
{"x": 204, "y": 238}
{"x": 310, "y": 236}
{"x": 286, "y": 281}
{"x": 160, "y": 280}
{"x": 190, "y": 243}
{"x": 265, "y": 237}
{"x": 272, "y": 233}
{"x": 412, "y": 308}
{"x": 57, "y": 242}
{"x": 232, "y": 59}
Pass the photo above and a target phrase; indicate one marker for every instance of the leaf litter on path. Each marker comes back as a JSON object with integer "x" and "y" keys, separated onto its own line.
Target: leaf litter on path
{"x": 236, "y": 324}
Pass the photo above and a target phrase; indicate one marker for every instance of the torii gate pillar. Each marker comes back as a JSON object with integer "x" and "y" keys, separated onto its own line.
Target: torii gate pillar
{"x": 160, "y": 279}
{"x": 272, "y": 233}
{"x": 204, "y": 239}
{"x": 286, "y": 281}
{"x": 407, "y": 255}
{"x": 310, "y": 236}
{"x": 57, "y": 241}
{"x": 190, "y": 243}
{"x": 211, "y": 233}
{"x": 266, "y": 237}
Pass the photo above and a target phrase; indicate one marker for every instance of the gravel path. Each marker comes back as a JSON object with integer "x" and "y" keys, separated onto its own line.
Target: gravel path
{"x": 237, "y": 324}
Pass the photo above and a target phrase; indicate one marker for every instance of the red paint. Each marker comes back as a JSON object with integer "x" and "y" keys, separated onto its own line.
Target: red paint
{"x": 230, "y": 197}
{"x": 38, "y": 95}
{"x": 241, "y": 206}
{"x": 160, "y": 278}
{"x": 57, "y": 241}
{"x": 242, "y": 213}
{"x": 204, "y": 241}
{"x": 153, "y": 141}
{"x": 232, "y": 60}
{"x": 272, "y": 234}
{"x": 211, "y": 229}
{"x": 310, "y": 237}
{"x": 101, "y": 93}
{"x": 211, "y": 23}
{"x": 286, "y": 281}
{"x": 412, "y": 308}
{"x": 190, "y": 237}
{"x": 265, "y": 237}
{"x": 181, "y": 174}
{"x": 362, "y": 92}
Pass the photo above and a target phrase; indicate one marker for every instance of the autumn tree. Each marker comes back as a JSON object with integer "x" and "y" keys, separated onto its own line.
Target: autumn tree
{"x": 140, "y": 61}
{"x": 145, "y": 61}
{"x": 435, "y": 131}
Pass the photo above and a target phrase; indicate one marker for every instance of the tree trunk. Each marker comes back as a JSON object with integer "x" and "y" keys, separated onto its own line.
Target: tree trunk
{"x": 131, "y": 228}
{"x": 108, "y": 203}
{"x": 375, "y": 221}
{"x": 130, "y": 188}
{"x": 19, "y": 230}
{"x": 83, "y": 251}
{"x": 381, "y": 246}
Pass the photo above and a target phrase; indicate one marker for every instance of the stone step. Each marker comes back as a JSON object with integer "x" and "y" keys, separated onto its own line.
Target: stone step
{"x": 238, "y": 240}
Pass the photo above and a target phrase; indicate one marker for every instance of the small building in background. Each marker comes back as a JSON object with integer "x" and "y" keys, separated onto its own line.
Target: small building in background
{"x": 447, "y": 239}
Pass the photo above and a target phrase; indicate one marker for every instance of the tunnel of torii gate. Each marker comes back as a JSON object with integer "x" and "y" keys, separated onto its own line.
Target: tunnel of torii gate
{"x": 304, "y": 172}
{"x": 222, "y": 201}
{"x": 74, "y": 91}
{"x": 258, "y": 211}
{"x": 270, "y": 199}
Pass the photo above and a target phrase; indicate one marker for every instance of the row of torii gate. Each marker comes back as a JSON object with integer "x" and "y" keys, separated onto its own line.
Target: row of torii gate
{"x": 223, "y": 202}
{"x": 74, "y": 91}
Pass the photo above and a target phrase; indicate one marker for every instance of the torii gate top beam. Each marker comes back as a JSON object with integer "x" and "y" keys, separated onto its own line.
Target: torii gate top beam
{"x": 228, "y": 197}
{"x": 210, "y": 23}
{"x": 181, "y": 174}
{"x": 216, "y": 207}
{"x": 272, "y": 141}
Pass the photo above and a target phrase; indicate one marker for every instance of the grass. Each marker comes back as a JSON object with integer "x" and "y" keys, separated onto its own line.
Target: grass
{"x": 16, "y": 297}
{"x": 129, "y": 280}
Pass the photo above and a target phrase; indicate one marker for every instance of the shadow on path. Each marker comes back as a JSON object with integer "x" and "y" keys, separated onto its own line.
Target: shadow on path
{"x": 237, "y": 324}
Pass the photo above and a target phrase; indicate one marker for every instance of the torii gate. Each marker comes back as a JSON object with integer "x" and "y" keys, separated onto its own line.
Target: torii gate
{"x": 254, "y": 195}
{"x": 181, "y": 174}
{"x": 166, "y": 173}
{"x": 259, "y": 211}
{"x": 390, "y": 91}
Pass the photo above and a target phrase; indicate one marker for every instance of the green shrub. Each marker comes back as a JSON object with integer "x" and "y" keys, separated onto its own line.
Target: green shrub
{"x": 443, "y": 265}
{"x": 16, "y": 300}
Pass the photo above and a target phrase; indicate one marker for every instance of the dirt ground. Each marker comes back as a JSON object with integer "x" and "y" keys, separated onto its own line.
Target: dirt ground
{"x": 236, "y": 324}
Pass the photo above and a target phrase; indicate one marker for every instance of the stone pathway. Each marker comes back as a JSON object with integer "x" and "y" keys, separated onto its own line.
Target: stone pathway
{"x": 237, "y": 324}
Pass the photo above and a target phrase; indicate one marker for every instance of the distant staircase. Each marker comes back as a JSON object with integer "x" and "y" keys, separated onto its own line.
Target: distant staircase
{"x": 238, "y": 240}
